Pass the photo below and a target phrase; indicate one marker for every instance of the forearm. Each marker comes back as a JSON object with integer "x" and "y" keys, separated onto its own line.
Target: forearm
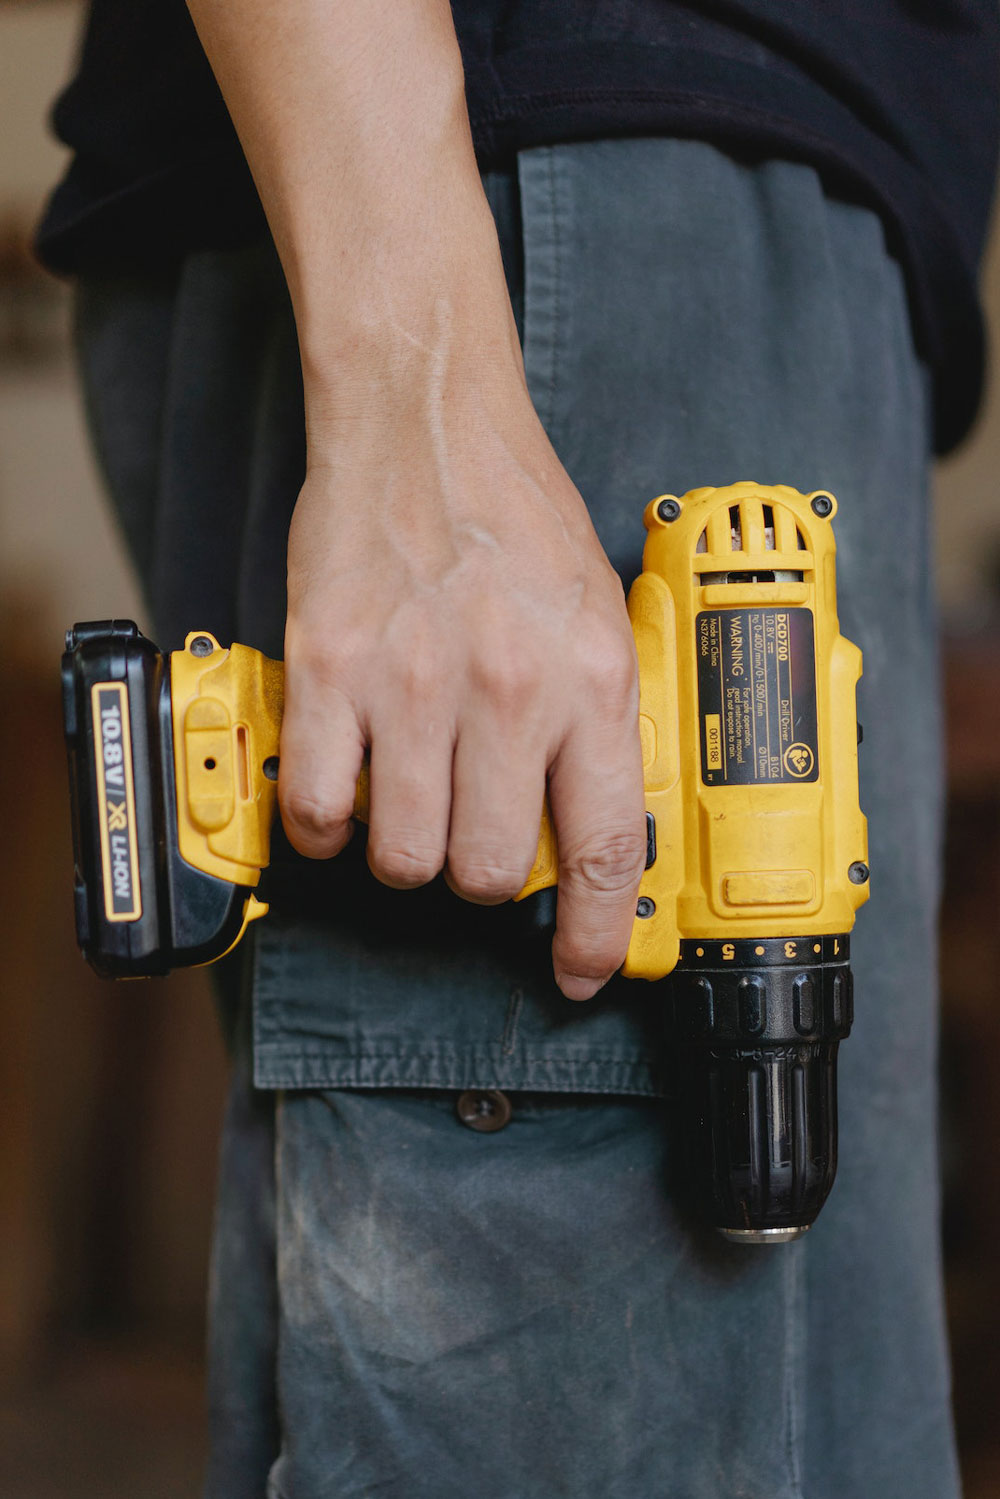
{"x": 354, "y": 123}
{"x": 449, "y": 606}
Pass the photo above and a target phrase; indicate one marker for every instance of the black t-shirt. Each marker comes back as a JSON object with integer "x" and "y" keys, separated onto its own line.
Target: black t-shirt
{"x": 894, "y": 101}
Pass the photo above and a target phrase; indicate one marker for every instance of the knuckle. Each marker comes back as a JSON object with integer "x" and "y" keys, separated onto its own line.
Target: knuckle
{"x": 324, "y": 658}
{"x": 611, "y": 863}
{"x": 405, "y": 860}
{"x": 609, "y": 665}
{"x": 311, "y": 817}
{"x": 485, "y": 875}
{"x": 419, "y": 679}
{"x": 507, "y": 679}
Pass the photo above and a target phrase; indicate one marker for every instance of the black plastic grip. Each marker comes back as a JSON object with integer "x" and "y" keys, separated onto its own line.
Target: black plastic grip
{"x": 754, "y": 1028}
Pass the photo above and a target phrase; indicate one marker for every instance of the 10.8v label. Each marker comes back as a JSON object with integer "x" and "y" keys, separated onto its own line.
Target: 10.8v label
{"x": 116, "y": 801}
{"x": 757, "y": 696}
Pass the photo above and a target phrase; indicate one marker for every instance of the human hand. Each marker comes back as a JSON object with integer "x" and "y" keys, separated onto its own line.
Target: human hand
{"x": 449, "y": 604}
{"x": 450, "y": 607}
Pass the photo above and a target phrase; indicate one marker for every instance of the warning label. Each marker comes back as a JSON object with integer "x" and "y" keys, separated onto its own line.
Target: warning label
{"x": 757, "y": 696}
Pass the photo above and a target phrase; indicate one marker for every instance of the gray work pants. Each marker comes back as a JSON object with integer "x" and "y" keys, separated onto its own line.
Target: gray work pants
{"x": 404, "y": 1306}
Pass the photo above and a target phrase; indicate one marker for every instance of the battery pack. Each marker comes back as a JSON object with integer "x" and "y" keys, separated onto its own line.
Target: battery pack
{"x": 141, "y": 909}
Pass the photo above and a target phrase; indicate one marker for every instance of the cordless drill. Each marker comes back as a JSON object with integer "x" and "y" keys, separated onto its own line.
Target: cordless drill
{"x": 756, "y": 846}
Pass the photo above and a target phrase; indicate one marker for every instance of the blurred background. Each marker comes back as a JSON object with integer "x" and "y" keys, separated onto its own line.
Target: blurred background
{"x": 112, "y": 1095}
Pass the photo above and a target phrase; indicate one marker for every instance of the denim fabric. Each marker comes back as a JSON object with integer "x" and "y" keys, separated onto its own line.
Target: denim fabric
{"x": 518, "y": 1314}
{"x": 526, "y": 1314}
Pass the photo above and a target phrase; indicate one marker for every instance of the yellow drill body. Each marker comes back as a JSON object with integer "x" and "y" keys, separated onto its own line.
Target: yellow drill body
{"x": 747, "y": 723}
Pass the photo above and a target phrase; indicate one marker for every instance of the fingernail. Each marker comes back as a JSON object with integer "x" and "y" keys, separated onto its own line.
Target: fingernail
{"x": 576, "y": 987}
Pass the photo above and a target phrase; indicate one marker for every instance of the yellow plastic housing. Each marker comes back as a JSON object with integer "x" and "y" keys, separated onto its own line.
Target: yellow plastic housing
{"x": 758, "y": 859}
{"x": 756, "y": 832}
{"x": 226, "y": 706}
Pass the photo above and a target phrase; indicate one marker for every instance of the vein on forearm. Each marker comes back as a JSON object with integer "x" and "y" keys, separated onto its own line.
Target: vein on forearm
{"x": 355, "y": 128}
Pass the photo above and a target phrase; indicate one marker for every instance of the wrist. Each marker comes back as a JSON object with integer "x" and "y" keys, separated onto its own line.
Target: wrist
{"x": 401, "y": 287}
{"x": 434, "y": 330}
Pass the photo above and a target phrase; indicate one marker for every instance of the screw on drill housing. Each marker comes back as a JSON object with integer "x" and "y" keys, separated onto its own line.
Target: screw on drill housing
{"x": 645, "y": 907}
{"x": 201, "y": 646}
{"x": 270, "y": 767}
{"x": 858, "y": 873}
{"x": 822, "y": 505}
{"x": 668, "y": 509}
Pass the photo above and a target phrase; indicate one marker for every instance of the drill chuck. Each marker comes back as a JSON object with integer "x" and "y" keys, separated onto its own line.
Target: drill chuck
{"x": 754, "y": 1028}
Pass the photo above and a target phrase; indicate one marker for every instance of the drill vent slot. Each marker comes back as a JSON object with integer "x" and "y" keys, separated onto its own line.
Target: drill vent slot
{"x": 756, "y": 575}
{"x": 736, "y": 528}
{"x": 748, "y": 529}
{"x": 768, "y": 528}
{"x": 756, "y": 526}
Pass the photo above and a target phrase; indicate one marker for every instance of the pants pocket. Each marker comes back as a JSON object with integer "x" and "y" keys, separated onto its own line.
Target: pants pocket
{"x": 517, "y": 1313}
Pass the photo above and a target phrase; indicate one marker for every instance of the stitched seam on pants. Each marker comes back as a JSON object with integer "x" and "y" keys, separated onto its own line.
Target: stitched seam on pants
{"x": 543, "y": 254}
{"x": 510, "y": 1026}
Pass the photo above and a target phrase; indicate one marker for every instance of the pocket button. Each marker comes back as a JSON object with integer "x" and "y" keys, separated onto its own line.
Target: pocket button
{"x": 484, "y": 1109}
